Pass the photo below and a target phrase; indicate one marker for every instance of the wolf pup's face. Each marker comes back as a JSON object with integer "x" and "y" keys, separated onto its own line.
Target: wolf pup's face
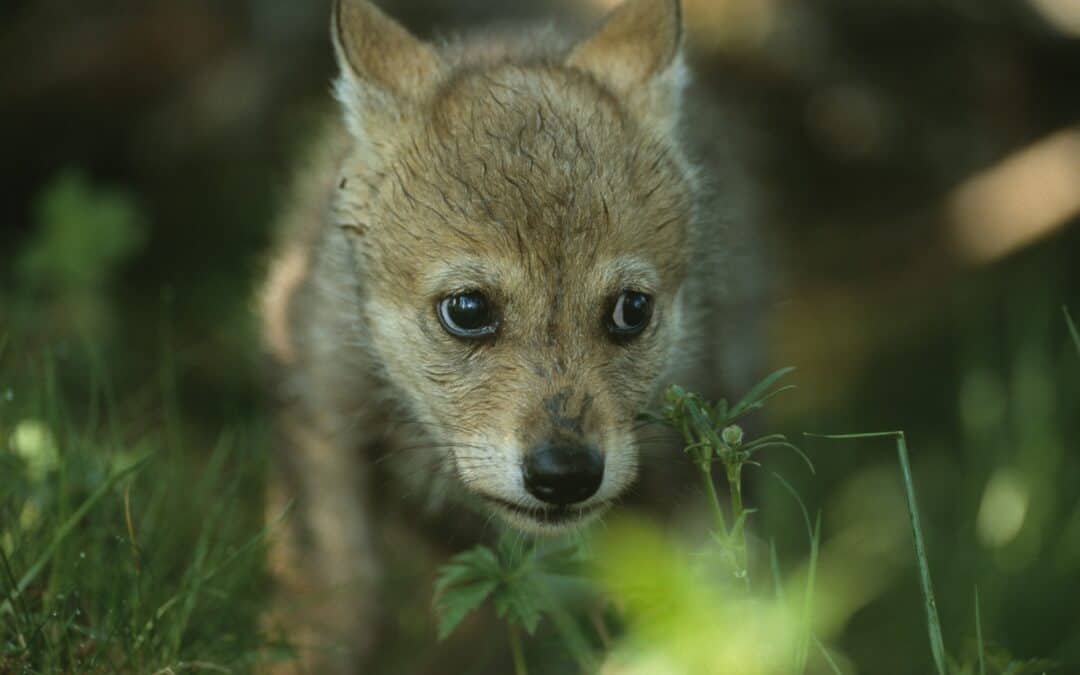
{"x": 520, "y": 228}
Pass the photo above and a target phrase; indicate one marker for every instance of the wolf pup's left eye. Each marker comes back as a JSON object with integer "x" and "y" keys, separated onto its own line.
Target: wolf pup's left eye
{"x": 630, "y": 315}
{"x": 467, "y": 315}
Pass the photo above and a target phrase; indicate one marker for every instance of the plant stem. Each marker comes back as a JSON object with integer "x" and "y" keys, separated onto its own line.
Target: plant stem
{"x": 516, "y": 651}
{"x": 710, "y": 489}
{"x": 734, "y": 476}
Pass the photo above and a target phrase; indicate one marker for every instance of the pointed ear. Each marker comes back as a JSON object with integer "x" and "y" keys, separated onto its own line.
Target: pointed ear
{"x": 638, "y": 54}
{"x": 383, "y": 67}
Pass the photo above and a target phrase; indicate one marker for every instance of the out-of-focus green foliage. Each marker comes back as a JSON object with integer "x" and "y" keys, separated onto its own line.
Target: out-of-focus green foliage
{"x": 83, "y": 234}
{"x": 684, "y": 618}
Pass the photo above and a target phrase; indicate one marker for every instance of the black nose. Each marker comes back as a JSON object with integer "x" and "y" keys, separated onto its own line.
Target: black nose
{"x": 563, "y": 473}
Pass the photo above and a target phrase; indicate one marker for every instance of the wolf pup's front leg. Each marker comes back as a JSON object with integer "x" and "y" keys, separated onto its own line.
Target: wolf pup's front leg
{"x": 321, "y": 555}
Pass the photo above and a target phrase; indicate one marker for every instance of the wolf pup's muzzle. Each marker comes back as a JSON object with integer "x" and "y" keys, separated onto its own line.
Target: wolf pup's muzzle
{"x": 563, "y": 472}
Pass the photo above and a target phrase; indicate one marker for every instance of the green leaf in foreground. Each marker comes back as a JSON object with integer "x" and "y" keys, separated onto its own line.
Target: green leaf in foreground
{"x": 513, "y": 576}
{"x": 456, "y": 604}
{"x": 463, "y": 585}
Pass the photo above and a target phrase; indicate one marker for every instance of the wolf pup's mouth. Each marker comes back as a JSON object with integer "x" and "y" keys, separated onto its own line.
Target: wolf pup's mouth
{"x": 548, "y": 519}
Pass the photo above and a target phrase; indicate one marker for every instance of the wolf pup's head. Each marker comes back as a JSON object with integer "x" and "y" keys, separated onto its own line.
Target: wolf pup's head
{"x": 521, "y": 227}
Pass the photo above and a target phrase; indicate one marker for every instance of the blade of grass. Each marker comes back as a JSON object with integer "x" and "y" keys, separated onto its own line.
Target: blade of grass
{"x": 1072, "y": 328}
{"x": 933, "y": 621}
{"x": 20, "y": 615}
{"x": 808, "y": 599}
{"x": 798, "y": 500}
{"x": 978, "y": 635}
{"x": 828, "y": 657}
{"x": 205, "y": 577}
{"x": 64, "y": 530}
{"x": 762, "y": 443}
{"x": 774, "y": 563}
{"x": 848, "y": 437}
{"x": 813, "y": 532}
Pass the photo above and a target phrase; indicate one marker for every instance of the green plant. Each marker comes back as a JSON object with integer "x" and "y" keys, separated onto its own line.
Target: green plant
{"x": 515, "y": 577}
{"x": 641, "y": 570}
{"x": 710, "y": 435}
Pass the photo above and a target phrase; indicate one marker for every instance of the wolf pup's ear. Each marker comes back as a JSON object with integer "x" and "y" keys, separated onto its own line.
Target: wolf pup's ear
{"x": 383, "y": 66}
{"x": 637, "y": 53}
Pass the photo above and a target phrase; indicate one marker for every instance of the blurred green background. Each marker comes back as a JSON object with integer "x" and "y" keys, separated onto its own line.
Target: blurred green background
{"x": 922, "y": 162}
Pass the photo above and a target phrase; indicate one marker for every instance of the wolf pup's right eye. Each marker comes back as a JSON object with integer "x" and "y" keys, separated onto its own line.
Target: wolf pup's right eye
{"x": 467, "y": 315}
{"x": 630, "y": 315}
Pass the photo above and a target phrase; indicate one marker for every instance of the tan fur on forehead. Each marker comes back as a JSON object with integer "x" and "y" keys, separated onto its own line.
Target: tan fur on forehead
{"x": 519, "y": 160}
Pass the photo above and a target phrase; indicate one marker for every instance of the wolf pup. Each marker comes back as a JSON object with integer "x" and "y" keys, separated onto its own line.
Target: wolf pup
{"x": 496, "y": 261}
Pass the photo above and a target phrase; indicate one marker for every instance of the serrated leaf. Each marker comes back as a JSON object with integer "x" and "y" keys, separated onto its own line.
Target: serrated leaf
{"x": 524, "y": 608}
{"x": 455, "y": 603}
{"x": 530, "y": 621}
{"x": 478, "y": 563}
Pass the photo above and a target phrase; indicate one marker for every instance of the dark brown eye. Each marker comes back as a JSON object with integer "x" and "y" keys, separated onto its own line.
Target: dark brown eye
{"x": 467, "y": 315}
{"x": 630, "y": 315}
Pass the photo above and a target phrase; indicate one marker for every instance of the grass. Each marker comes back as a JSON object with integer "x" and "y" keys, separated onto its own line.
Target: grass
{"x": 926, "y": 586}
{"x": 132, "y": 542}
{"x": 1073, "y": 332}
{"x": 710, "y": 436}
{"x": 121, "y": 550}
